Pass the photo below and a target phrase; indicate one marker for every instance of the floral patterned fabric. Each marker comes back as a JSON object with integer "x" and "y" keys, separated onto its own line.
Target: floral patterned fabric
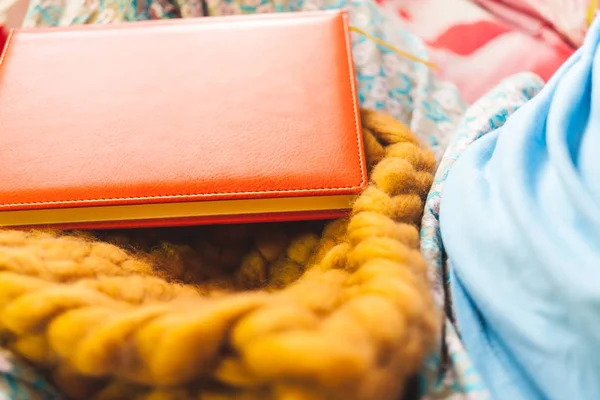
{"x": 18, "y": 381}
{"x": 486, "y": 115}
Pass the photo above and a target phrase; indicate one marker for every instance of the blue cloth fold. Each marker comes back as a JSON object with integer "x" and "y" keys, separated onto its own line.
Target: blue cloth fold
{"x": 520, "y": 223}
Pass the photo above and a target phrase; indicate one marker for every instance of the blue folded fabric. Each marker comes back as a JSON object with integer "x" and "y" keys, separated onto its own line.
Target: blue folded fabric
{"x": 520, "y": 223}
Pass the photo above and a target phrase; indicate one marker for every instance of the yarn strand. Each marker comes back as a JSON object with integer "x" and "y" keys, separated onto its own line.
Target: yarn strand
{"x": 393, "y": 48}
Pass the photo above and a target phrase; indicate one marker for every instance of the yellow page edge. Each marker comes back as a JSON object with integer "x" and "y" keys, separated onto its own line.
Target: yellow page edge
{"x": 174, "y": 210}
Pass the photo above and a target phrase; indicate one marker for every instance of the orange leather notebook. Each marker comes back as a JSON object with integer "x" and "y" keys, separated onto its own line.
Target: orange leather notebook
{"x": 225, "y": 119}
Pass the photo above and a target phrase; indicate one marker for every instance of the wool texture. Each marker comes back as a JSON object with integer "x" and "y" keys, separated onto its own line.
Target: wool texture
{"x": 303, "y": 310}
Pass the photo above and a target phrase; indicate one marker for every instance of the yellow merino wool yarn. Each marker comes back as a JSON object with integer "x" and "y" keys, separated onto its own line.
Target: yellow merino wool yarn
{"x": 294, "y": 311}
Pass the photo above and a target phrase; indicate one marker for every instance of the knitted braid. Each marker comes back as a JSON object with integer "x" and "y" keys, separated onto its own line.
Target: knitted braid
{"x": 261, "y": 311}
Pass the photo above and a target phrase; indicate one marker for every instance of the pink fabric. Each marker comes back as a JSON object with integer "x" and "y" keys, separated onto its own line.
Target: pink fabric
{"x": 477, "y": 43}
{"x": 567, "y": 17}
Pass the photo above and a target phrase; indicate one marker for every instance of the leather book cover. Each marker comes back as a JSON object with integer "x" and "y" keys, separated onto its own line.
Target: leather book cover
{"x": 191, "y": 121}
